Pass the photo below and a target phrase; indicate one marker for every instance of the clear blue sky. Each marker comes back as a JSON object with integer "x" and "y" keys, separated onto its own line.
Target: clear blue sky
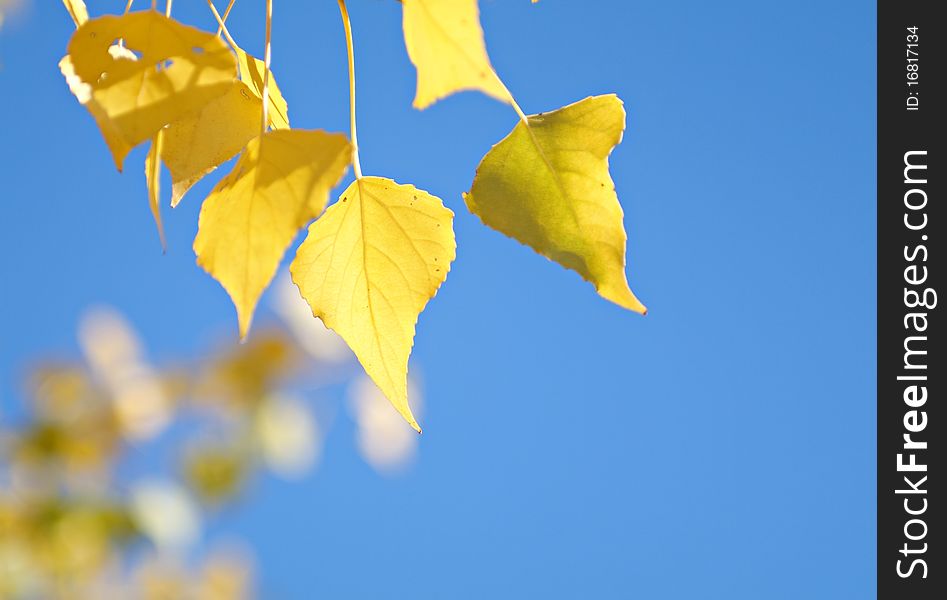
{"x": 721, "y": 447}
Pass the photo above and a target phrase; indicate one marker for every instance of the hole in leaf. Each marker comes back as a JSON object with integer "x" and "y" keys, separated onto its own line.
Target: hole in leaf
{"x": 119, "y": 52}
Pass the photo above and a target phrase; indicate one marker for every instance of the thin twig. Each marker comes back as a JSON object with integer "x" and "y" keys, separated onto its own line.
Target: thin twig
{"x": 351, "y": 52}
{"x": 267, "y": 58}
{"x": 220, "y": 27}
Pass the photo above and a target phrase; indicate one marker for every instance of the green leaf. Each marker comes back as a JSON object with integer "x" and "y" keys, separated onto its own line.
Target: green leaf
{"x": 547, "y": 185}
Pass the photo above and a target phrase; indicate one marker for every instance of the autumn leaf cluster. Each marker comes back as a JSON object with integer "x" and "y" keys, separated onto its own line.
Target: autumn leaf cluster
{"x": 372, "y": 259}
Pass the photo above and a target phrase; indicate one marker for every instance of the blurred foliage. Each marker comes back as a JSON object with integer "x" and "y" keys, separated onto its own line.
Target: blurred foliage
{"x": 86, "y": 510}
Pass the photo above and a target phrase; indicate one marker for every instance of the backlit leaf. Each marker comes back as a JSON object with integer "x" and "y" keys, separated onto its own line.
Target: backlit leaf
{"x": 280, "y": 182}
{"x": 445, "y": 43}
{"x": 197, "y": 144}
{"x": 252, "y": 70}
{"x": 110, "y": 132}
{"x": 178, "y": 70}
{"x": 547, "y": 185}
{"x": 368, "y": 267}
{"x": 153, "y": 181}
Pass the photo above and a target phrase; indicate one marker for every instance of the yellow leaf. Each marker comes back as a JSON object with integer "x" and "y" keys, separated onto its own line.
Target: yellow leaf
{"x": 113, "y": 136}
{"x": 179, "y": 69}
{"x": 77, "y": 10}
{"x": 445, "y": 43}
{"x": 251, "y": 73}
{"x": 195, "y": 145}
{"x": 368, "y": 267}
{"x": 547, "y": 185}
{"x": 280, "y": 182}
{"x": 153, "y": 180}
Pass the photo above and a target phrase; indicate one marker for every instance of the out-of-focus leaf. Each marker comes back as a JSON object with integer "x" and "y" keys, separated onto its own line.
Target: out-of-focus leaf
{"x": 165, "y": 512}
{"x": 288, "y": 435}
{"x": 383, "y": 440}
{"x": 241, "y": 377}
{"x": 225, "y": 578}
{"x": 310, "y": 333}
{"x": 216, "y": 473}
{"x": 116, "y": 358}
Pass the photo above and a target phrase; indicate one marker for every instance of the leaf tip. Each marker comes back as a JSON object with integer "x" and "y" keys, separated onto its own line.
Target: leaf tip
{"x": 638, "y": 307}
{"x": 624, "y": 297}
{"x": 404, "y": 409}
{"x": 243, "y": 323}
{"x": 177, "y": 194}
{"x": 161, "y": 238}
{"x": 418, "y": 105}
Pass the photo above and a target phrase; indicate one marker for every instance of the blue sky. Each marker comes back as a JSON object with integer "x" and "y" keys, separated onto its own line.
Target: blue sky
{"x": 721, "y": 447}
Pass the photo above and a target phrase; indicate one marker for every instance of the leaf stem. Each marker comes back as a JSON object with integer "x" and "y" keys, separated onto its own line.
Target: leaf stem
{"x": 351, "y": 54}
{"x": 221, "y": 24}
{"x": 519, "y": 111}
{"x": 128, "y": 7}
{"x": 516, "y": 107}
{"x": 267, "y": 59}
